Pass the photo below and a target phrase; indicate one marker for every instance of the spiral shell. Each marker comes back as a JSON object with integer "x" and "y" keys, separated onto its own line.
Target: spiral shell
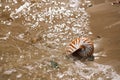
{"x": 82, "y": 47}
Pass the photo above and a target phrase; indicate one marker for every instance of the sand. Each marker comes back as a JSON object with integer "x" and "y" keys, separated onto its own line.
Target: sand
{"x": 24, "y": 57}
{"x": 105, "y": 23}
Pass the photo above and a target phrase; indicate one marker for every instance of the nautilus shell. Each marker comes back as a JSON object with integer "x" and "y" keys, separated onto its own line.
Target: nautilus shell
{"x": 81, "y": 47}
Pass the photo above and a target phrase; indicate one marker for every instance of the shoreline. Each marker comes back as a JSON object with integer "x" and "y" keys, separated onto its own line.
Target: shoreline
{"x": 105, "y": 22}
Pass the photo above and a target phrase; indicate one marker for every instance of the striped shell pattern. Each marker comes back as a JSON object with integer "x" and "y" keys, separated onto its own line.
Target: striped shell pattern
{"x": 82, "y": 46}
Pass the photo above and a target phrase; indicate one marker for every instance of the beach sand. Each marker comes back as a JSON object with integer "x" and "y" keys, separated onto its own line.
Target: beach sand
{"x": 28, "y": 53}
{"x": 105, "y": 23}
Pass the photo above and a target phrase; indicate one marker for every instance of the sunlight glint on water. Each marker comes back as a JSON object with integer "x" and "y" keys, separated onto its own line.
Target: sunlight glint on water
{"x": 61, "y": 20}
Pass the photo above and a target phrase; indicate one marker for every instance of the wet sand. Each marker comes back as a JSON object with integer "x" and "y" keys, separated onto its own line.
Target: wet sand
{"x": 105, "y": 23}
{"x": 24, "y": 57}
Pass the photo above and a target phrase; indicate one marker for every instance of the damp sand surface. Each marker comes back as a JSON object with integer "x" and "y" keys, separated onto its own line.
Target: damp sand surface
{"x": 105, "y": 24}
{"x": 32, "y": 44}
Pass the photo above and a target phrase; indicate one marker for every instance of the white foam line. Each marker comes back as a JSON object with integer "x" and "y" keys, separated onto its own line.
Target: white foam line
{"x": 25, "y": 5}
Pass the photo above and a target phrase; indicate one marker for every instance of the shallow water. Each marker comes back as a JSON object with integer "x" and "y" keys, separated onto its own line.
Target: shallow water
{"x": 34, "y": 34}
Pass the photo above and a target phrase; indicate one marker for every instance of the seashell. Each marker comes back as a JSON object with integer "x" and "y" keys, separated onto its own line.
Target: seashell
{"x": 81, "y": 47}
